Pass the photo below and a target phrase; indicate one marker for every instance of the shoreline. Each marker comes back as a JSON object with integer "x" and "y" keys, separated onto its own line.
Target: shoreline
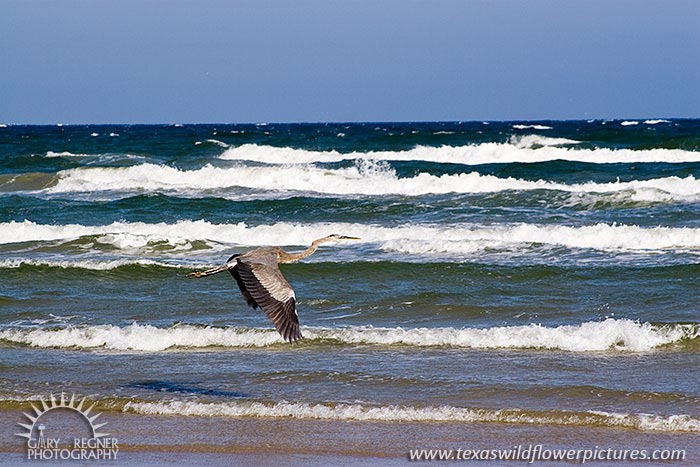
{"x": 159, "y": 440}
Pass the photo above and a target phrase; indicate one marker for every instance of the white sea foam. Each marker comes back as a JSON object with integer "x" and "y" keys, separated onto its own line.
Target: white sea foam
{"x": 629, "y": 123}
{"x": 218, "y": 143}
{"x": 420, "y": 239}
{"x": 617, "y": 335}
{"x": 137, "y": 337}
{"x": 364, "y": 178}
{"x": 284, "y": 409}
{"x": 525, "y": 148}
{"x": 102, "y": 158}
{"x": 656, "y": 122}
{"x": 533, "y": 127}
{"x": 213, "y": 141}
{"x": 114, "y": 134}
{"x": 92, "y": 264}
{"x": 66, "y": 154}
{"x": 538, "y": 141}
{"x": 3, "y": 125}
{"x": 414, "y": 239}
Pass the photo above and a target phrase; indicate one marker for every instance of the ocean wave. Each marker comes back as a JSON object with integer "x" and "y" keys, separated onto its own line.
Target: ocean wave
{"x": 532, "y": 127}
{"x": 629, "y": 123}
{"x": 51, "y": 154}
{"x": 212, "y": 141}
{"x": 415, "y": 239}
{"x": 364, "y": 178}
{"x": 656, "y": 122}
{"x": 538, "y": 141}
{"x": 620, "y": 335}
{"x": 524, "y": 149}
{"x": 90, "y": 159}
{"x": 90, "y": 264}
{"x": 396, "y": 413}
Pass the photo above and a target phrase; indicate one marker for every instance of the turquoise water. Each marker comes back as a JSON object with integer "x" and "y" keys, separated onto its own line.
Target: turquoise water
{"x": 549, "y": 268}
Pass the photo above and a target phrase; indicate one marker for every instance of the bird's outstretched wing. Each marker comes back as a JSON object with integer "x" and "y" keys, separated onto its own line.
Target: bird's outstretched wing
{"x": 263, "y": 286}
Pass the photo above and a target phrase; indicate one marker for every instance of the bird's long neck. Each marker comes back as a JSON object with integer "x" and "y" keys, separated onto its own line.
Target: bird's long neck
{"x": 293, "y": 257}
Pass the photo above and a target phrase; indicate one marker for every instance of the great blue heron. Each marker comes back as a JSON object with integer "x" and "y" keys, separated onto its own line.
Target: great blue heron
{"x": 263, "y": 285}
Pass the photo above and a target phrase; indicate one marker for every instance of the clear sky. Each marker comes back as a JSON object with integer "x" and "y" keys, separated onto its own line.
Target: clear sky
{"x": 144, "y": 61}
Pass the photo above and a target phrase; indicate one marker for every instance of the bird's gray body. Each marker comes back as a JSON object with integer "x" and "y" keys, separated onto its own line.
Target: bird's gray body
{"x": 263, "y": 286}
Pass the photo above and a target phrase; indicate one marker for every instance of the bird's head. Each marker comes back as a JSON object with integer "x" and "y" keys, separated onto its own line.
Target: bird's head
{"x": 335, "y": 237}
{"x": 341, "y": 237}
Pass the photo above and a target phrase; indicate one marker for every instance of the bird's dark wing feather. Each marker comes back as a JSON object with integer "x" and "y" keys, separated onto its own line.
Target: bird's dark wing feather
{"x": 263, "y": 285}
{"x": 237, "y": 276}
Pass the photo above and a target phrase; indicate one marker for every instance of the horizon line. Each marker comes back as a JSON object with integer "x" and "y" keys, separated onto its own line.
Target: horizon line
{"x": 341, "y": 122}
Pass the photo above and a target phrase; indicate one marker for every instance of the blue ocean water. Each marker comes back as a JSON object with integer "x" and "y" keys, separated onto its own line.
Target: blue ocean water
{"x": 508, "y": 272}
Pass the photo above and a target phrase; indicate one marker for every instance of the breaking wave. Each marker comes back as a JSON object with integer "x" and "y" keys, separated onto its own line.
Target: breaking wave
{"x": 212, "y": 141}
{"x": 51, "y": 154}
{"x": 526, "y": 149}
{"x": 413, "y": 239}
{"x": 533, "y": 127}
{"x": 622, "y": 335}
{"x": 90, "y": 264}
{"x": 396, "y": 413}
{"x": 364, "y": 178}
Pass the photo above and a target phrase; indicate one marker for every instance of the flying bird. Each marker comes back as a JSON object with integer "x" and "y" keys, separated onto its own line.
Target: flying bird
{"x": 263, "y": 285}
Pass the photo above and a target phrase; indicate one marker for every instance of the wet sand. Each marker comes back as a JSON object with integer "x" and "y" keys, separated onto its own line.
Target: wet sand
{"x": 213, "y": 441}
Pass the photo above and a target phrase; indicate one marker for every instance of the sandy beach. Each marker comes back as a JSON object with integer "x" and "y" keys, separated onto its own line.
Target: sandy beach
{"x": 149, "y": 440}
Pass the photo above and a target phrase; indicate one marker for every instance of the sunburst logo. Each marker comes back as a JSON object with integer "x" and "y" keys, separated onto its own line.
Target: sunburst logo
{"x": 40, "y": 446}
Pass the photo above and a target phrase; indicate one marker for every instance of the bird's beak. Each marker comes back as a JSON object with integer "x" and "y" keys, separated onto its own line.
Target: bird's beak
{"x": 209, "y": 272}
{"x": 343, "y": 237}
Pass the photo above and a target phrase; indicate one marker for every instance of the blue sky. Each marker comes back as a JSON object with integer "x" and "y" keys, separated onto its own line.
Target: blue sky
{"x": 144, "y": 61}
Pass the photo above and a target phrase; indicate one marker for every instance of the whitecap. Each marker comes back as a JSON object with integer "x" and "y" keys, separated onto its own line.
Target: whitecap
{"x": 396, "y": 413}
{"x": 535, "y": 141}
{"x": 366, "y": 177}
{"x": 218, "y": 143}
{"x": 91, "y": 264}
{"x": 533, "y": 127}
{"x": 524, "y": 149}
{"x": 616, "y": 335}
{"x": 65, "y": 154}
{"x": 413, "y": 239}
